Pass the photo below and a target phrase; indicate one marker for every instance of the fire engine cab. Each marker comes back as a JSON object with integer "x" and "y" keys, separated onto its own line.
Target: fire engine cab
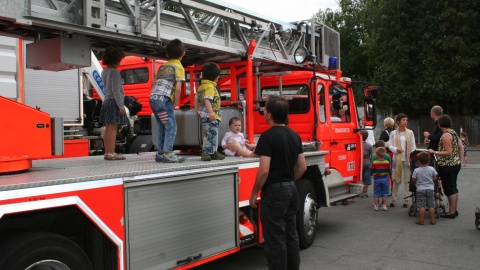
{"x": 88, "y": 213}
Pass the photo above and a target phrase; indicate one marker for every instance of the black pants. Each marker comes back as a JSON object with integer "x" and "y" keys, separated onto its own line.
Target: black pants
{"x": 449, "y": 175}
{"x": 279, "y": 206}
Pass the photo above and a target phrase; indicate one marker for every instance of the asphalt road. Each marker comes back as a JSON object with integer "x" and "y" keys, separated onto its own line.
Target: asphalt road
{"x": 356, "y": 237}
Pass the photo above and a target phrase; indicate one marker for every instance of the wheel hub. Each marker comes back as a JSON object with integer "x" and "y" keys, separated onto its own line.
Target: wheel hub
{"x": 310, "y": 215}
{"x": 48, "y": 265}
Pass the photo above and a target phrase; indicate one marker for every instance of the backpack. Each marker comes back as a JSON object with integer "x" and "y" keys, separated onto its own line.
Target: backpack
{"x": 132, "y": 104}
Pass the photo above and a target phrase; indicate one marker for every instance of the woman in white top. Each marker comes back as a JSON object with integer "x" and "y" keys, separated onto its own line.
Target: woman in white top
{"x": 401, "y": 143}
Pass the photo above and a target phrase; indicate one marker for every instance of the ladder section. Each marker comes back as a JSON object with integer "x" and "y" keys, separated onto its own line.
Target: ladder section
{"x": 212, "y": 30}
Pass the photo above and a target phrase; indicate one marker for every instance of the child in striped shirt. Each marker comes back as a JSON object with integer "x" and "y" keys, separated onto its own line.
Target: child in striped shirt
{"x": 380, "y": 171}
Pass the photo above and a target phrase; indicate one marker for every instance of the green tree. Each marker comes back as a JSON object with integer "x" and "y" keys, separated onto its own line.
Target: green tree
{"x": 420, "y": 53}
{"x": 350, "y": 21}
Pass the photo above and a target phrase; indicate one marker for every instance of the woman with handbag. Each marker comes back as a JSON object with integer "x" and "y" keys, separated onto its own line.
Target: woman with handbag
{"x": 449, "y": 158}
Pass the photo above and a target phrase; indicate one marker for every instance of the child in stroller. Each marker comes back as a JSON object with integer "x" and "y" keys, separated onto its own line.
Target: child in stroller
{"x": 424, "y": 183}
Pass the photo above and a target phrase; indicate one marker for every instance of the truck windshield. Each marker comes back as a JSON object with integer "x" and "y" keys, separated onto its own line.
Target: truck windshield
{"x": 297, "y": 96}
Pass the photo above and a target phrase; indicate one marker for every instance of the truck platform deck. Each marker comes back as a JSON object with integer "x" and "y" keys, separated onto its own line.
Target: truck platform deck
{"x": 49, "y": 172}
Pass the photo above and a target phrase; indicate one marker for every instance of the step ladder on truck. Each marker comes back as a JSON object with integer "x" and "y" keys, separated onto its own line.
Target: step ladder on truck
{"x": 94, "y": 214}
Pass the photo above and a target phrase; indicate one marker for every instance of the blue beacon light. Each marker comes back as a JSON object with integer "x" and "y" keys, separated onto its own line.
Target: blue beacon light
{"x": 332, "y": 63}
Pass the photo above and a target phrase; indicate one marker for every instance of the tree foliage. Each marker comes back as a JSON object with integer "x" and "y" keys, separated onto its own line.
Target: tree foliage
{"x": 420, "y": 53}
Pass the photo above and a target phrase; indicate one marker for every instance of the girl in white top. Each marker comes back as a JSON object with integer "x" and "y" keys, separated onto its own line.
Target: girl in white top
{"x": 235, "y": 134}
{"x": 401, "y": 143}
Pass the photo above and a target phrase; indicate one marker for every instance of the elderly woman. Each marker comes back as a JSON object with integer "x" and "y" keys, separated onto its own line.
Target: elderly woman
{"x": 401, "y": 143}
{"x": 449, "y": 157}
{"x": 388, "y": 124}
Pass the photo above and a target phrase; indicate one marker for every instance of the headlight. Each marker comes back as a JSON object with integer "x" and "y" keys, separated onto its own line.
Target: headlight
{"x": 301, "y": 55}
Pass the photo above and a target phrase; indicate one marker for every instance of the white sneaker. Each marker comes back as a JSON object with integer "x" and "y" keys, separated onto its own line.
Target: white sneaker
{"x": 384, "y": 207}
{"x": 375, "y": 207}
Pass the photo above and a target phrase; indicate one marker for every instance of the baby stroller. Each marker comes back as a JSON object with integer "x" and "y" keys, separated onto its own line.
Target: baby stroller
{"x": 413, "y": 210}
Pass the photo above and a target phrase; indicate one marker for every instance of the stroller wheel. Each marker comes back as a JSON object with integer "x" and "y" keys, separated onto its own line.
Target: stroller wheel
{"x": 477, "y": 218}
{"x": 410, "y": 212}
{"x": 415, "y": 210}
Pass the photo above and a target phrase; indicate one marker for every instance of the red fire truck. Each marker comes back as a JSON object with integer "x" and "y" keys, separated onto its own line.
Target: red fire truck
{"x": 88, "y": 213}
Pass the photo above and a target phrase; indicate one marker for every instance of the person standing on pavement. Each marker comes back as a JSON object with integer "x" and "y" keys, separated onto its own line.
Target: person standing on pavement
{"x": 371, "y": 137}
{"x": 449, "y": 157}
{"x": 388, "y": 124}
{"x": 282, "y": 161}
{"x": 367, "y": 162}
{"x": 432, "y": 139}
{"x": 402, "y": 143}
{"x": 424, "y": 177}
{"x": 380, "y": 172}
{"x": 464, "y": 138}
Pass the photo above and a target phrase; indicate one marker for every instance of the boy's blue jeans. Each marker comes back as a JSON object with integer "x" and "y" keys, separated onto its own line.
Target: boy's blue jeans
{"x": 210, "y": 135}
{"x": 163, "y": 110}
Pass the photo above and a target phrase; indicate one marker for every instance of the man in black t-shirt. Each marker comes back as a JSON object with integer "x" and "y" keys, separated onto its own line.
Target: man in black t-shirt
{"x": 282, "y": 161}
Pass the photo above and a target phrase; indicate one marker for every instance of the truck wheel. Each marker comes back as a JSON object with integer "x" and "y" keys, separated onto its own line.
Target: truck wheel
{"x": 42, "y": 250}
{"x": 307, "y": 215}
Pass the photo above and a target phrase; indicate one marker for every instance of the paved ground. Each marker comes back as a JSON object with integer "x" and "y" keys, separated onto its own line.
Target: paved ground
{"x": 356, "y": 237}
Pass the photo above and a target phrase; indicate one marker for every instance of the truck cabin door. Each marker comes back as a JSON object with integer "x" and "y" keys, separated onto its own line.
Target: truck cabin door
{"x": 337, "y": 124}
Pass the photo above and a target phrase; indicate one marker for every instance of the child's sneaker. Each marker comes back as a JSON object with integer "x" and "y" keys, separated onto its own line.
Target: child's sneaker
{"x": 159, "y": 157}
{"x": 206, "y": 157}
{"x": 172, "y": 158}
{"x": 384, "y": 207}
{"x": 375, "y": 207}
{"x": 217, "y": 156}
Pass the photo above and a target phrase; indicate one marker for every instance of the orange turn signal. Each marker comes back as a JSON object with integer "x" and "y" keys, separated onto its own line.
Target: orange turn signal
{"x": 243, "y": 218}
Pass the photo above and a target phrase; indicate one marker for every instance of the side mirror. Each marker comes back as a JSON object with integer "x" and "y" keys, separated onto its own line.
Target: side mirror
{"x": 371, "y": 91}
{"x": 370, "y": 112}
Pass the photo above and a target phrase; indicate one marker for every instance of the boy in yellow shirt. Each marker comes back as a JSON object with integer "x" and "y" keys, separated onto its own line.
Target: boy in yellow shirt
{"x": 208, "y": 109}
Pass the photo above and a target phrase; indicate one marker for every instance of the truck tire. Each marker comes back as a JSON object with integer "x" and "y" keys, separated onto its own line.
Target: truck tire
{"x": 42, "y": 250}
{"x": 307, "y": 215}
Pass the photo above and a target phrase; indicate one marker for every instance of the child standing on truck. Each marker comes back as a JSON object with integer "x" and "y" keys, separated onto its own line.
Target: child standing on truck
{"x": 367, "y": 160}
{"x": 236, "y": 135}
{"x": 113, "y": 111}
{"x": 380, "y": 172}
{"x": 423, "y": 178}
{"x": 208, "y": 109}
{"x": 164, "y": 98}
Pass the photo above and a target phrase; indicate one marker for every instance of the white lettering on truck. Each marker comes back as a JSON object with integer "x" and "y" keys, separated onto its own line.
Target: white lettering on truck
{"x": 342, "y": 130}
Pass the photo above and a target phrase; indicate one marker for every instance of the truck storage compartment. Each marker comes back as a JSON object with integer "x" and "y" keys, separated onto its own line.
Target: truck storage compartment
{"x": 188, "y": 127}
{"x": 178, "y": 217}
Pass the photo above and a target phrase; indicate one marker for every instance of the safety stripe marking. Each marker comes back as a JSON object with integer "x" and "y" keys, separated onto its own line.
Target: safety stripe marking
{"x": 73, "y": 200}
{"x": 244, "y": 231}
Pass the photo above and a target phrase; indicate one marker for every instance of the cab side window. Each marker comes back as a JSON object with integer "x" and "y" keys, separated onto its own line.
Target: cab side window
{"x": 321, "y": 103}
{"x": 339, "y": 105}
